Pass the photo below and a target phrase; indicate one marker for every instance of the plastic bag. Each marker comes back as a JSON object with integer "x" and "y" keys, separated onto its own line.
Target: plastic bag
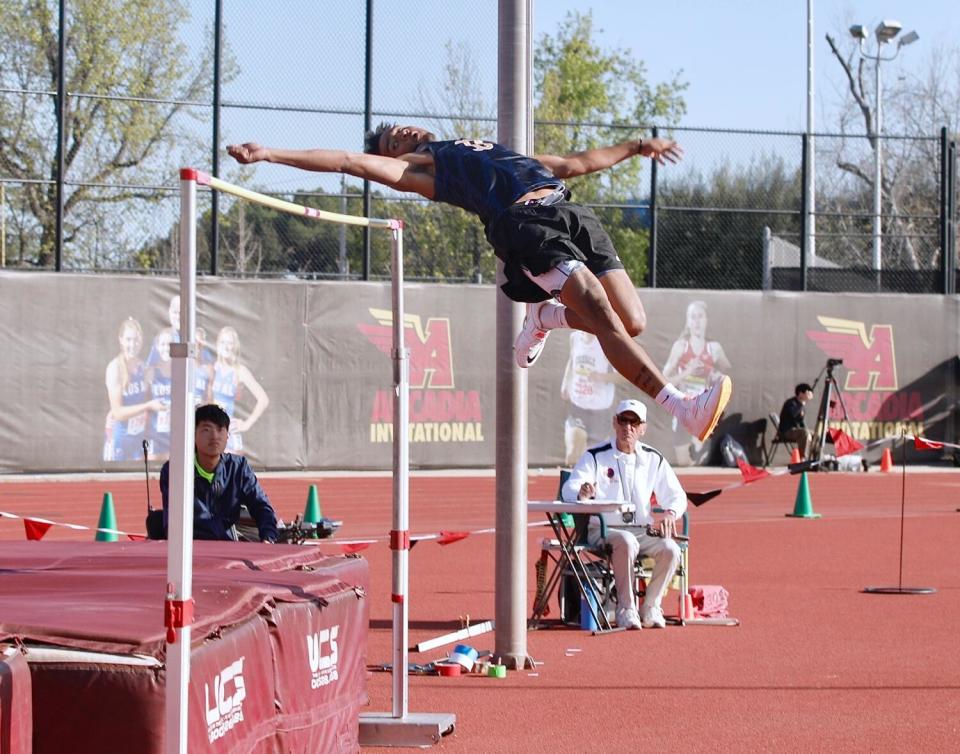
{"x": 730, "y": 451}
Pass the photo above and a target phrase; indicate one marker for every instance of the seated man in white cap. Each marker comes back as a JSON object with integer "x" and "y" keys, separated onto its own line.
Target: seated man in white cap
{"x": 623, "y": 468}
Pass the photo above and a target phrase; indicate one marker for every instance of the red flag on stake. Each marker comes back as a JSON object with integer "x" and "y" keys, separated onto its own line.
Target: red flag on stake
{"x": 35, "y": 529}
{"x": 922, "y": 444}
{"x": 448, "y": 537}
{"x": 354, "y": 547}
{"x": 843, "y": 443}
{"x": 137, "y": 537}
{"x": 751, "y": 473}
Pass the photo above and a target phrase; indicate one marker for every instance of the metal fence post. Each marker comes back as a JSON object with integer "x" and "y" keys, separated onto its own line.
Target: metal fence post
{"x": 61, "y": 132}
{"x": 215, "y": 162}
{"x": 944, "y": 216}
{"x": 767, "y": 272}
{"x": 951, "y": 238}
{"x": 804, "y": 210}
{"x": 652, "y": 255}
{"x": 367, "y": 125}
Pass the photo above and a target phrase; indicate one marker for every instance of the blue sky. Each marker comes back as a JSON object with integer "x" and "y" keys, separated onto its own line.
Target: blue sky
{"x": 744, "y": 61}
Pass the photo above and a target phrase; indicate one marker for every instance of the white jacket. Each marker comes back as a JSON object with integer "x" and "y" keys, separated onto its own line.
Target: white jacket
{"x": 631, "y": 477}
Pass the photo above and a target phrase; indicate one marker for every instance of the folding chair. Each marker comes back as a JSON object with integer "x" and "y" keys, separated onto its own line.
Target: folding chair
{"x": 777, "y": 439}
{"x": 589, "y": 563}
{"x": 643, "y": 567}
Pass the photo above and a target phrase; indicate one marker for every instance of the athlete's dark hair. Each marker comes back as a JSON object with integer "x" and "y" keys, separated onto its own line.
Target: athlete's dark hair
{"x": 371, "y": 139}
{"x": 211, "y": 412}
{"x": 803, "y": 387}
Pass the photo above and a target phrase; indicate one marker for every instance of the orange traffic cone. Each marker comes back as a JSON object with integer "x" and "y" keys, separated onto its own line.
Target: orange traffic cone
{"x": 886, "y": 460}
{"x": 795, "y": 456}
{"x": 689, "y": 612}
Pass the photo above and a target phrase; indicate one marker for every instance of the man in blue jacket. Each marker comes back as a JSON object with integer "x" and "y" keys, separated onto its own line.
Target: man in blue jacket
{"x": 222, "y": 483}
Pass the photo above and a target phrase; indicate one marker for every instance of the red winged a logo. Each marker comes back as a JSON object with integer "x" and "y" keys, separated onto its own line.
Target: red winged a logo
{"x": 431, "y": 358}
{"x": 869, "y": 360}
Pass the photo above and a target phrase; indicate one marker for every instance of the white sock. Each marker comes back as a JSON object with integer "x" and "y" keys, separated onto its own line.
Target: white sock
{"x": 552, "y": 316}
{"x": 670, "y": 398}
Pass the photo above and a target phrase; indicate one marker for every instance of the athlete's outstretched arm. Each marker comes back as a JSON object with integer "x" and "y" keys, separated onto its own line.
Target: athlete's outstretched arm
{"x": 399, "y": 174}
{"x": 601, "y": 158}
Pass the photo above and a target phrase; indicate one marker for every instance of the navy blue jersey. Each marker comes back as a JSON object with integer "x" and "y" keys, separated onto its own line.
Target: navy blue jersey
{"x": 483, "y": 177}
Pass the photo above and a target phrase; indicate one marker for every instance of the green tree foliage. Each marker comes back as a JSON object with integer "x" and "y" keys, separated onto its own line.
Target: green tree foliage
{"x": 577, "y": 80}
{"x": 116, "y": 50}
{"x": 712, "y": 242}
{"x": 605, "y": 93}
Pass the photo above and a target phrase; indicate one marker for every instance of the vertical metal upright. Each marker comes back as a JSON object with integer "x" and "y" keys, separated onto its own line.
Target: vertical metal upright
{"x": 809, "y": 242}
{"x": 400, "y": 532}
{"x": 367, "y": 125}
{"x": 652, "y": 254}
{"x": 948, "y": 210}
{"x": 61, "y": 133}
{"x": 179, "y": 598}
{"x": 215, "y": 160}
{"x": 401, "y": 727}
{"x": 514, "y": 126}
{"x": 804, "y": 210}
{"x": 877, "y": 257}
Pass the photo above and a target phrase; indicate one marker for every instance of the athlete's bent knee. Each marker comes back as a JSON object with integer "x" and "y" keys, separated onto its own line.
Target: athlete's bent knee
{"x": 634, "y": 321}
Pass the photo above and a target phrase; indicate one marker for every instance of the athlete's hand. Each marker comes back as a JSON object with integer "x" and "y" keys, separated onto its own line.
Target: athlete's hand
{"x": 661, "y": 150}
{"x": 247, "y": 153}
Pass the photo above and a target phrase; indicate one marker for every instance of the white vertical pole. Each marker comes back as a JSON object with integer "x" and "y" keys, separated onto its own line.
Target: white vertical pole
{"x": 400, "y": 535}
{"x": 877, "y": 174}
{"x": 811, "y": 238}
{"x": 180, "y": 512}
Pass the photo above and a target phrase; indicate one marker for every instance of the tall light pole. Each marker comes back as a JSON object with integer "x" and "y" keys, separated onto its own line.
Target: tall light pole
{"x": 811, "y": 198}
{"x": 885, "y": 33}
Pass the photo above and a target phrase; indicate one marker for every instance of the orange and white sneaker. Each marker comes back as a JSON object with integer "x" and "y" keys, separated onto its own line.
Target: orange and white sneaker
{"x": 699, "y": 414}
{"x": 532, "y": 337}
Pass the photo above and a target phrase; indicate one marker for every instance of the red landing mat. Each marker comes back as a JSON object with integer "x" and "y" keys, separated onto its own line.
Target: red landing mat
{"x": 278, "y": 660}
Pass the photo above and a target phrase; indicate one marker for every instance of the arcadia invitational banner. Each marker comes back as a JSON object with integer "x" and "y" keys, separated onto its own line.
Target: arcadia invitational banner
{"x": 304, "y": 370}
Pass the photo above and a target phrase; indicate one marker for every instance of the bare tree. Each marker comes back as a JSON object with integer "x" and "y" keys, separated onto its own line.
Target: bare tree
{"x": 915, "y": 110}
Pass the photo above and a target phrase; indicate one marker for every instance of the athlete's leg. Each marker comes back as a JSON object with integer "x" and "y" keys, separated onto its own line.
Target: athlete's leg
{"x": 625, "y": 301}
{"x": 588, "y": 308}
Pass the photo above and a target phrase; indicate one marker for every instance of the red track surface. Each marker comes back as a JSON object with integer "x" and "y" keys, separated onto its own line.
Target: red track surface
{"x": 815, "y": 666}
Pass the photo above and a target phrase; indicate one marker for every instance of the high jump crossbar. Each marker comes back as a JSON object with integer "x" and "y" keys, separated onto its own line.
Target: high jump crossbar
{"x": 399, "y": 727}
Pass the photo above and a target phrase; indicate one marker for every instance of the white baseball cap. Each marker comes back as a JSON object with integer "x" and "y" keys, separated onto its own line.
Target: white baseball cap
{"x": 633, "y": 406}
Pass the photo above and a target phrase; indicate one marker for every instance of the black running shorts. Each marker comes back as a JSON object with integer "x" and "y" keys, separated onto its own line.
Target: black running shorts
{"x": 539, "y": 237}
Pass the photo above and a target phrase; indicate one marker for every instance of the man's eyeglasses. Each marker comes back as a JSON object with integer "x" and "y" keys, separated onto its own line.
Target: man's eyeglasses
{"x": 623, "y": 421}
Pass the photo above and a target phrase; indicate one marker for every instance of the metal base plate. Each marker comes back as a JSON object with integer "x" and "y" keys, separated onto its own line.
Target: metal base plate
{"x": 898, "y": 590}
{"x": 415, "y": 729}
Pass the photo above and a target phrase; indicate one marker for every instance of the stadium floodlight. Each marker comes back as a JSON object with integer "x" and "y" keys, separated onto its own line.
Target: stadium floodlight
{"x": 887, "y": 30}
{"x": 908, "y": 39}
{"x": 859, "y": 31}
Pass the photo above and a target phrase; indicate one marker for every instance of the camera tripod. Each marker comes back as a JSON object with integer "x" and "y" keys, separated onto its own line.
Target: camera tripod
{"x": 830, "y": 390}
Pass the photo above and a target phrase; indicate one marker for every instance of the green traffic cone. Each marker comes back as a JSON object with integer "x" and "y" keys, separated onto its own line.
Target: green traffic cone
{"x": 311, "y": 513}
{"x": 803, "y": 507}
{"x": 108, "y": 520}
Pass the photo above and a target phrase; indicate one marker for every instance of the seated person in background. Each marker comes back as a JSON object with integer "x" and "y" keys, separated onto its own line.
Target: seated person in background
{"x": 623, "y": 468}
{"x": 222, "y": 483}
{"x": 792, "y": 426}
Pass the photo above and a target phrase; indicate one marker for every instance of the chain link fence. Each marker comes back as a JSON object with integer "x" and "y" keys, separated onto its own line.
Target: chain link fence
{"x": 730, "y": 216}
